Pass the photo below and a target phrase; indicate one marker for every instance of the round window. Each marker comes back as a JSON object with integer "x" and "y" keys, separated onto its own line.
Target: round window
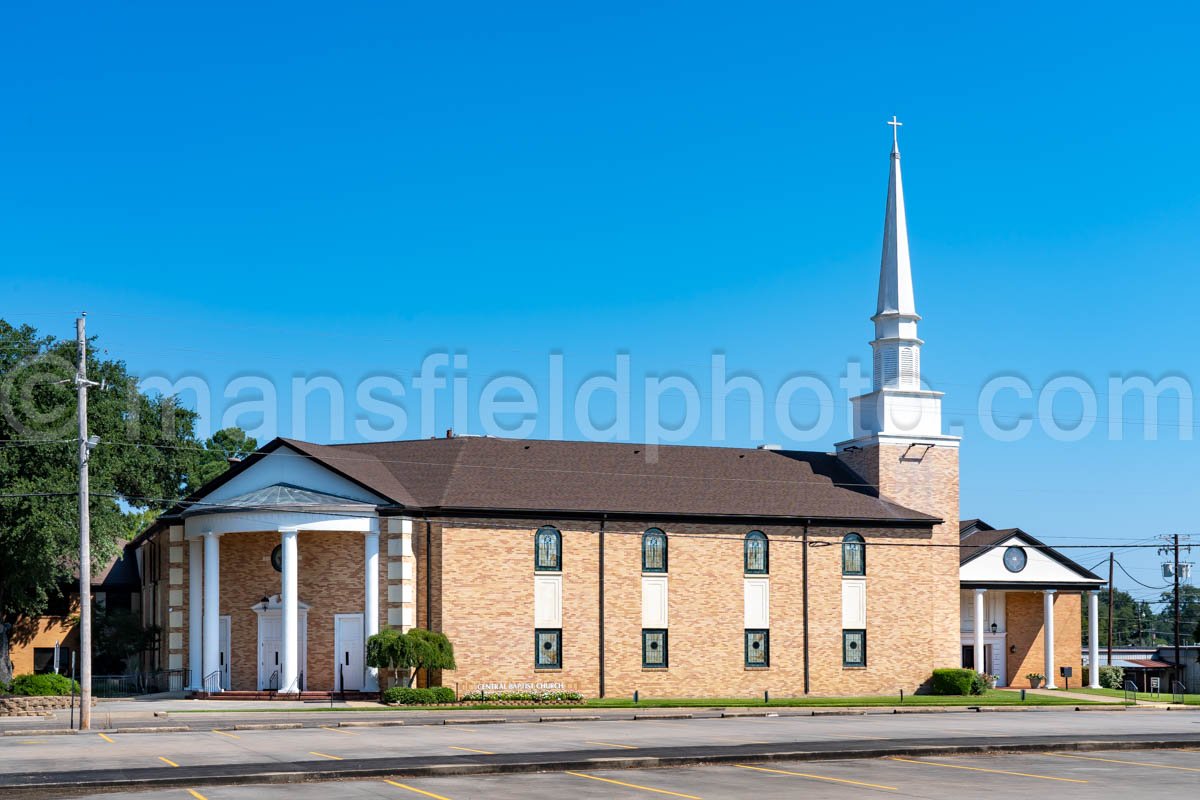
{"x": 1015, "y": 559}
{"x": 277, "y": 558}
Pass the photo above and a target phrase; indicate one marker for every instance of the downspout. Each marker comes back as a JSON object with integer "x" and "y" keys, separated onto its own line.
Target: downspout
{"x": 804, "y": 581}
{"x": 601, "y": 582}
{"x": 428, "y": 588}
{"x": 428, "y": 575}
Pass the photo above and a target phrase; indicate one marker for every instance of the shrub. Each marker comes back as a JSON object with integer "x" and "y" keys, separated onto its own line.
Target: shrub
{"x": 978, "y": 683}
{"x": 43, "y": 685}
{"x": 954, "y": 681}
{"x": 1112, "y": 677}
{"x": 526, "y": 697}
{"x": 406, "y": 696}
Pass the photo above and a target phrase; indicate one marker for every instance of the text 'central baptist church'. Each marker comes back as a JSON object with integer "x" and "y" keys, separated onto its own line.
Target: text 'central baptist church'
{"x": 710, "y": 572}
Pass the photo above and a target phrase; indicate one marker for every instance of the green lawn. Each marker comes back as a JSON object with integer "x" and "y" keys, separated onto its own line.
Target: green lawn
{"x": 992, "y": 697}
{"x": 1189, "y": 699}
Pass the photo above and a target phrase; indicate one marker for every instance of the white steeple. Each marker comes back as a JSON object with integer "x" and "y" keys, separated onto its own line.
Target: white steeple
{"x": 897, "y": 356}
{"x": 897, "y": 410}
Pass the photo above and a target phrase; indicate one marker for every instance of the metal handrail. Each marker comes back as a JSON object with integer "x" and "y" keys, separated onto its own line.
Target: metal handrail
{"x": 1130, "y": 691}
{"x": 273, "y": 682}
{"x": 213, "y": 680}
{"x": 1178, "y": 690}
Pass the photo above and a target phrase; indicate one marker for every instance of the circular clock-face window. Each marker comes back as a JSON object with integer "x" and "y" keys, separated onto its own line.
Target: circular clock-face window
{"x": 1015, "y": 559}
{"x": 277, "y": 558}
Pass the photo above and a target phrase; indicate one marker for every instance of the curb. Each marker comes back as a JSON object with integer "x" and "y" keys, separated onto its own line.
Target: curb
{"x": 268, "y": 726}
{"x": 382, "y": 723}
{"x": 568, "y": 719}
{"x": 128, "y": 781}
{"x": 477, "y": 721}
{"x": 662, "y": 716}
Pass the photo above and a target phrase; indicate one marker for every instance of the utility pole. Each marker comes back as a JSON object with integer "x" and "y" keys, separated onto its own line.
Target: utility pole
{"x": 85, "y": 525}
{"x": 1178, "y": 662}
{"x": 1110, "y": 607}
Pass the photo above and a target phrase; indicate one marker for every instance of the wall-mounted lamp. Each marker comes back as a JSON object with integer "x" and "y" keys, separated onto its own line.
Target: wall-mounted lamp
{"x": 1012, "y": 648}
{"x": 266, "y": 601}
{"x": 993, "y": 627}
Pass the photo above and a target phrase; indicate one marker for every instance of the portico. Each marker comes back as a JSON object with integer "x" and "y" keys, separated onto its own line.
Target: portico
{"x": 1021, "y": 605}
{"x": 257, "y": 539}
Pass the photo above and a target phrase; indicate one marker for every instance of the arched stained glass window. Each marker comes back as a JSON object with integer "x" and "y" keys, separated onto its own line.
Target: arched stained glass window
{"x": 547, "y": 549}
{"x": 757, "y": 555}
{"x": 654, "y": 551}
{"x": 854, "y": 555}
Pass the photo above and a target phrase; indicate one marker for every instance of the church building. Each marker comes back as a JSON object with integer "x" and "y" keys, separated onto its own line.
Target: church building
{"x": 706, "y": 571}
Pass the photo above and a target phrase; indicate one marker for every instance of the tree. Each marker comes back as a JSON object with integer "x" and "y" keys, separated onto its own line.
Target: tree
{"x": 409, "y": 652}
{"x": 147, "y": 458}
{"x": 391, "y": 650}
{"x": 1189, "y": 613}
{"x": 224, "y": 446}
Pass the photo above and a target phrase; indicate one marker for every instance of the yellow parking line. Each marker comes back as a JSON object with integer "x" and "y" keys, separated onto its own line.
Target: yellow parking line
{"x": 470, "y": 750}
{"x": 167, "y": 761}
{"x": 196, "y": 794}
{"x": 982, "y": 769}
{"x": 818, "y": 777}
{"x": 415, "y": 789}
{"x": 325, "y": 755}
{"x": 105, "y": 738}
{"x": 611, "y": 744}
{"x": 338, "y": 730}
{"x": 633, "y": 785}
{"x": 224, "y": 733}
{"x": 1122, "y": 761}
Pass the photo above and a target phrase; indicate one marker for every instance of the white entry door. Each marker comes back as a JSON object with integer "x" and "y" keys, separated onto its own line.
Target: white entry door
{"x": 270, "y": 655}
{"x": 270, "y": 649}
{"x": 348, "y": 652}
{"x": 224, "y": 655}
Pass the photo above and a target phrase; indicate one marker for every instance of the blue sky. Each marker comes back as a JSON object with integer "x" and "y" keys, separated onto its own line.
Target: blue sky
{"x": 296, "y": 189}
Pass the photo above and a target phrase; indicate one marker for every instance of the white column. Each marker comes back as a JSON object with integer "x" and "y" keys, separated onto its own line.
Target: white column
{"x": 371, "y": 601}
{"x": 1094, "y": 639}
{"x": 212, "y": 611}
{"x": 980, "y": 666}
{"x": 1048, "y": 636}
{"x": 289, "y": 673}
{"x": 195, "y": 612}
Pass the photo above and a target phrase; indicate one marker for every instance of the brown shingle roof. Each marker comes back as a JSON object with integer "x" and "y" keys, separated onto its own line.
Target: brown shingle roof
{"x": 530, "y": 475}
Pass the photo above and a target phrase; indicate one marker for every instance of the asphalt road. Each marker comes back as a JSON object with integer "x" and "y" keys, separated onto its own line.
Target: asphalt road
{"x": 246, "y": 756}
{"x": 1166, "y": 774}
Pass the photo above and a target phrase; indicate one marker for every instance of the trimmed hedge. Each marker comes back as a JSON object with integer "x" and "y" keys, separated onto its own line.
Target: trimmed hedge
{"x": 957, "y": 682}
{"x": 1112, "y": 677}
{"x": 48, "y": 685}
{"x": 525, "y": 697}
{"x": 407, "y": 696}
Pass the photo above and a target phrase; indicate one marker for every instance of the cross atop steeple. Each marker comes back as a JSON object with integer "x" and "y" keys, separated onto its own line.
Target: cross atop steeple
{"x": 895, "y": 137}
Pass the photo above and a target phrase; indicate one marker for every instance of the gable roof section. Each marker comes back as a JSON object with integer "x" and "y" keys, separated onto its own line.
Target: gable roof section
{"x": 478, "y": 474}
{"x": 481, "y": 474}
{"x": 978, "y": 541}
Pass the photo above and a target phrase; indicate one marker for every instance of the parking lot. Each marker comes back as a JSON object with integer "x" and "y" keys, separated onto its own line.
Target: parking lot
{"x": 206, "y": 747}
{"x": 1165, "y": 773}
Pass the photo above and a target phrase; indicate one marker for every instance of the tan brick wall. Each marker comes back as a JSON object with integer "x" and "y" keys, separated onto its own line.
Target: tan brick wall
{"x": 29, "y": 633}
{"x": 927, "y": 482}
{"x": 1023, "y": 615}
{"x": 488, "y": 610}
